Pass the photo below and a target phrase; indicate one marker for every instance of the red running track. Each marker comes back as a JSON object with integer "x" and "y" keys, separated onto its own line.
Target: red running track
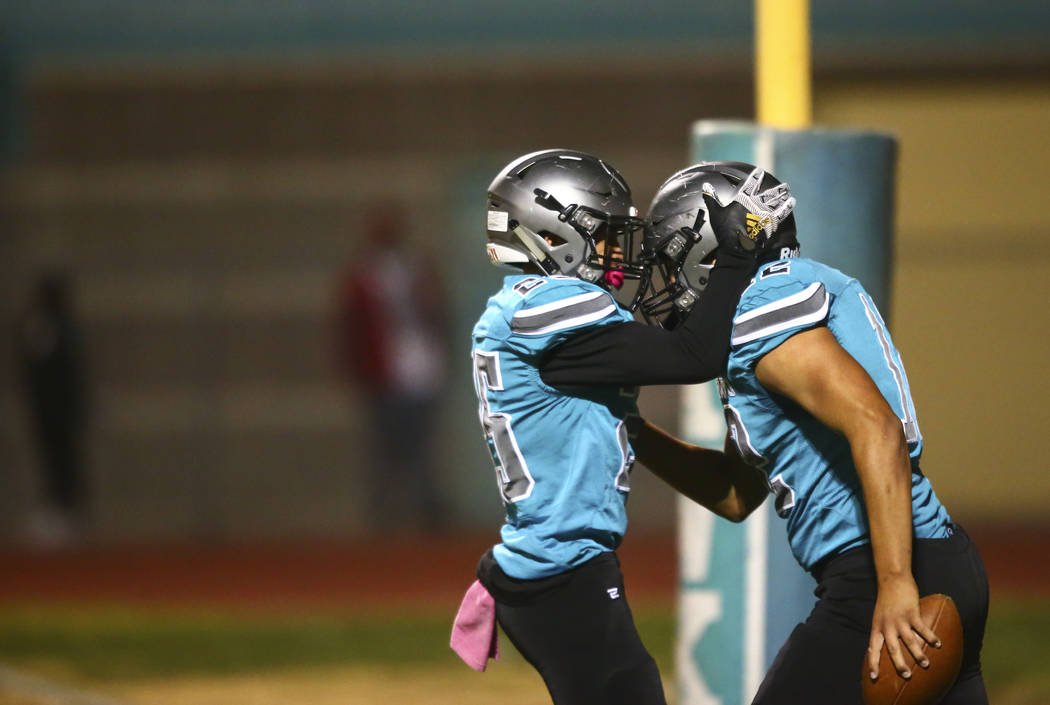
{"x": 401, "y": 572}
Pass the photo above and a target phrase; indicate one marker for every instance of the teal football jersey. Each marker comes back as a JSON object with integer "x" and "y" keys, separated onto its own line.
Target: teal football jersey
{"x": 809, "y": 466}
{"x": 562, "y": 460}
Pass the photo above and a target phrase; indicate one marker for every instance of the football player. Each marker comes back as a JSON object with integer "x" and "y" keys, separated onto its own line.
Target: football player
{"x": 816, "y": 397}
{"x": 557, "y": 358}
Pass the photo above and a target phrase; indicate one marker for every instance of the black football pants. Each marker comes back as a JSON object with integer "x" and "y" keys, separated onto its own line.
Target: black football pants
{"x": 577, "y": 630}
{"x": 821, "y": 662}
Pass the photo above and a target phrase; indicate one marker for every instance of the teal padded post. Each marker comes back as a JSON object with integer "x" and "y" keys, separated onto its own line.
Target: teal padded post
{"x": 740, "y": 590}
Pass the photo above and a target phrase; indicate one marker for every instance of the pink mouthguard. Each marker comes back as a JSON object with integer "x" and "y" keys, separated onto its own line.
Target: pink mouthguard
{"x": 614, "y": 279}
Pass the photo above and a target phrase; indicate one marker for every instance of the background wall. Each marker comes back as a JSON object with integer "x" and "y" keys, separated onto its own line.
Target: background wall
{"x": 972, "y": 258}
{"x": 204, "y": 171}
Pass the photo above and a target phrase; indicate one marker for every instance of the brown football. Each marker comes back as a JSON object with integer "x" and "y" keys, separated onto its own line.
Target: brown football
{"x": 927, "y": 685}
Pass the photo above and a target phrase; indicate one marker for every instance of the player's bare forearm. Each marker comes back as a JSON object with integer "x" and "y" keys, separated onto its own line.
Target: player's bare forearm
{"x": 814, "y": 370}
{"x": 880, "y": 454}
{"x": 719, "y": 481}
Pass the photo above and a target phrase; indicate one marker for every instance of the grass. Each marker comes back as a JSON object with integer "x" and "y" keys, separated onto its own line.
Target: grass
{"x": 106, "y": 646}
{"x": 1016, "y": 651}
{"x": 115, "y": 644}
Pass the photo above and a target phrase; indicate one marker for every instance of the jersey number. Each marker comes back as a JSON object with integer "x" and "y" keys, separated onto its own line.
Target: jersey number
{"x": 515, "y": 481}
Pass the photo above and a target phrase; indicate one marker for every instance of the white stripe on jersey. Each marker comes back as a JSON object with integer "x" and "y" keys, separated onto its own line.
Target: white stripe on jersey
{"x": 564, "y": 314}
{"x": 565, "y": 323}
{"x": 555, "y": 305}
{"x": 778, "y": 324}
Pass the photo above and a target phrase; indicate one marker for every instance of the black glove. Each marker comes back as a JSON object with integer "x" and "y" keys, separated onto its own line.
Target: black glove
{"x": 730, "y": 224}
{"x": 746, "y": 224}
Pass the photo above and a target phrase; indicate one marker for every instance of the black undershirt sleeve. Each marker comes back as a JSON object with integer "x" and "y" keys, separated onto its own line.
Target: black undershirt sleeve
{"x": 632, "y": 353}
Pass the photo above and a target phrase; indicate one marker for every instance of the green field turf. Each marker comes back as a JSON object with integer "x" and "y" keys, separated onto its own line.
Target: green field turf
{"x": 102, "y": 646}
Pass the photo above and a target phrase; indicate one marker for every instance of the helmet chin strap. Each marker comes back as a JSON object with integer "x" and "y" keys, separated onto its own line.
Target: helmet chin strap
{"x": 541, "y": 258}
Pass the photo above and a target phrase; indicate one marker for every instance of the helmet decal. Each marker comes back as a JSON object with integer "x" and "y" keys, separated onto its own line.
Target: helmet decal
{"x": 498, "y": 220}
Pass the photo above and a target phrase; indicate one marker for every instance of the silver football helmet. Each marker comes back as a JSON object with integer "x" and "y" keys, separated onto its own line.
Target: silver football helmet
{"x": 551, "y": 209}
{"x": 679, "y": 238}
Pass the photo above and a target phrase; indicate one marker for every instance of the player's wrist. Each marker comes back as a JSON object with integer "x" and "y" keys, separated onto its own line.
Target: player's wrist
{"x": 895, "y": 578}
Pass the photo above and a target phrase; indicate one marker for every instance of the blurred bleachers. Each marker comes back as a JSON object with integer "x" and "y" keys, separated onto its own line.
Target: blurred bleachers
{"x": 205, "y": 183}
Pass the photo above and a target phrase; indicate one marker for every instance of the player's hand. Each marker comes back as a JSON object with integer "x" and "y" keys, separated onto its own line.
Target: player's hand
{"x": 897, "y": 623}
{"x": 747, "y": 221}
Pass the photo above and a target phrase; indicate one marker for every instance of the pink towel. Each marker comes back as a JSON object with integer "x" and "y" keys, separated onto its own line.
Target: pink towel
{"x": 474, "y": 635}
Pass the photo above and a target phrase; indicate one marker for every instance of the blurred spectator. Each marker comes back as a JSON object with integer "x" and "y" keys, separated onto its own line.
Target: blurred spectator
{"x": 52, "y": 371}
{"x": 391, "y": 339}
